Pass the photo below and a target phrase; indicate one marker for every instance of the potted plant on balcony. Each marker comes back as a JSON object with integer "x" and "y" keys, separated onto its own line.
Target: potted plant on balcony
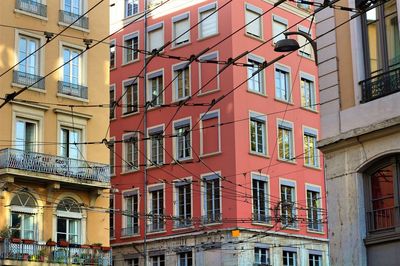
{"x": 96, "y": 246}
{"x": 63, "y": 243}
{"x": 87, "y": 246}
{"x": 4, "y": 233}
{"x": 28, "y": 241}
{"x": 16, "y": 240}
{"x": 105, "y": 249}
{"x": 50, "y": 243}
{"x": 42, "y": 255}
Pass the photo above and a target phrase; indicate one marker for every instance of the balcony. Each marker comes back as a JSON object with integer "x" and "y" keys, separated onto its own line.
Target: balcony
{"x": 182, "y": 223}
{"x": 261, "y": 218}
{"x": 74, "y": 90}
{"x": 42, "y": 254}
{"x": 79, "y": 170}
{"x": 27, "y": 79}
{"x": 380, "y": 85}
{"x": 383, "y": 219}
{"x": 212, "y": 218}
{"x": 156, "y": 223}
{"x": 31, "y": 7}
{"x": 68, "y": 18}
{"x": 129, "y": 231}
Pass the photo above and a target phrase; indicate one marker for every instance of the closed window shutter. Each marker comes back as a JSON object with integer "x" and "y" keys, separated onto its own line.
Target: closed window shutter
{"x": 253, "y": 28}
{"x": 209, "y": 25}
{"x": 182, "y": 28}
{"x": 277, "y": 28}
{"x": 156, "y": 39}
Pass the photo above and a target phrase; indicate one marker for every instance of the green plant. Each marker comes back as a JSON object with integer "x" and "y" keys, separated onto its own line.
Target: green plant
{"x": 97, "y": 244}
{"x": 5, "y": 232}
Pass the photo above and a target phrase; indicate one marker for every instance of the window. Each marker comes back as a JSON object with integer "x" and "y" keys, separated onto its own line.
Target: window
{"x": 311, "y": 157}
{"x": 288, "y": 198}
{"x": 382, "y": 197}
{"x": 181, "y": 29}
{"x": 73, "y": 67}
{"x": 208, "y": 17}
{"x": 289, "y": 258}
{"x": 305, "y": 50}
{"x": 155, "y": 34}
{"x": 314, "y": 260}
{"x": 131, "y": 152}
{"x": 279, "y": 25}
{"x": 156, "y": 206}
{"x": 253, "y": 14}
{"x": 131, "y": 97}
{"x": 111, "y": 147}
{"x": 314, "y": 208}
{"x": 112, "y": 216}
{"x": 181, "y": 81}
{"x": 112, "y": 54}
{"x": 282, "y": 86}
{"x": 156, "y": 87}
{"x": 25, "y": 135}
{"x": 255, "y": 81}
{"x": 112, "y": 102}
{"x": 182, "y": 139}
{"x": 131, "y": 46}
{"x": 27, "y": 46}
{"x": 130, "y": 214}
{"x": 285, "y": 141}
{"x": 307, "y": 92}
{"x": 73, "y": 6}
{"x": 260, "y": 198}
{"x": 157, "y": 260}
{"x": 212, "y": 197}
{"x": 71, "y": 14}
{"x": 132, "y": 262}
{"x": 185, "y": 259}
{"x": 131, "y": 7}
{"x": 380, "y": 29}
{"x": 183, "y": 203}
{"x": 69, "y": 218}
{"x": 210, "y": 133}
{"x": 258, "y": 133}
{"x": 156, "y": 145}
{"x": 208, "y": 74}
{"x": 23, "y": 216}
{"x": 261, "y": 256}
{"x": 70, "y": 143}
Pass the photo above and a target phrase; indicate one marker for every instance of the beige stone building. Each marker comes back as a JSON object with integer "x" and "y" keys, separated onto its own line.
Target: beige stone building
{"x": 53, "y": 187}
{"x": 359, "y": 74}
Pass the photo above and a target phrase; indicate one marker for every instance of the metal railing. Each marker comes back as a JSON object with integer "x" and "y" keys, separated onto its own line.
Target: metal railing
{"x": 130, "y": 231}
{"x": 212, "y": 218}
{"x": 73, "y": 89}
{"x": 27, "y": 79}
{"x": 380, "y": 85}
{"x": 56, "y": 165}
{"x": 261, "y": 218}
{"x": 53, "y": 254}
{"x": 382, "y": 219}
{"x": 182, "y": 223}
{"x": 31, "y": 7}
{"x": 68, "y": 17}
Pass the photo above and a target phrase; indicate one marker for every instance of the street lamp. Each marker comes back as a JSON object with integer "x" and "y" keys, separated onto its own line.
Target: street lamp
{"x": 290, "y": 45}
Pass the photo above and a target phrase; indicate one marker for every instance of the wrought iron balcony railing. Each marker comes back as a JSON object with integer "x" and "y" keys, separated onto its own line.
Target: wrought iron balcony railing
{"x": 56, "y": 165}
{"x": 383, "y": 219}
{"x": 129, "y": 231}
{"x": 156, "y": 225}
{"x": 41, "y": 253}
{"x": 182, "y": 223}
{"x": 261, "y": 218}
{"x": 33, "y": 7}
{"x": 27, "y": 79}
{"x": 380, "y": 85}
{"x": 71, "y": 89}
{"x": 68, "y": 18}
{"x": 212, "y": 218}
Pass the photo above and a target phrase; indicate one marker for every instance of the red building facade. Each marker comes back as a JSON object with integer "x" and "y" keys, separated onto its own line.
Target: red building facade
{"x": 215, "y": 162}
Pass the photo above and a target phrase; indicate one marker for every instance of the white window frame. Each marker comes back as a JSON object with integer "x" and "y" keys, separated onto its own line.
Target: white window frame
{"x": 68, "y": 146}
{"x": 290, "y": 251}
{"x": 313, "y": 93}
{"x": 125, "y": 195}
{"x": 312, "y": 133}
{"x": 82, "y": 7}
{"x": 160, "y": 90}
{"x": 277, "y": 32}
{"x": 71, "y": 216}
{"x": 186, "y": 122}
{"x": 210, "y": 56}
{"x": 284, "y": 72}
{"x": 152, "y": 30}
{"x": 179, "y": 71}
{"x": 155, "y": 130}
{"x": 113, "y": 50}
{"x": 251, "y": 83}
{"x": 314, "y": 189}
{"x": 261, "y": 248}
{"x": 133, "y": 36}
{"x": 125, "y": 83}
{"x": 185, "y": 38}
{"x": 127, "y": 168}
{"x": 126, "y": 9}
{"x": 203, "y": 117}
{"x": 217, "y": 216}
{"x": 24, "y": 211}
{"x": 208, "y": 9}
{"x": 113, "y": 94}
{"x": 185, "y": 258}
{"x": 314, "y": 254}
{"x": 292, "y": 185}
{"x": 287, "y": 126}
{"x": 178, "y": 183}
{"x": 161, "y": 222}
{"x": 250, "y": 13}
{"x": 255, "y": 117}
{"x": 256, "y": 216}
{"x": 307, "y": 50}
{"x": 82, "y": 58}
{"x": 34, "y": 141}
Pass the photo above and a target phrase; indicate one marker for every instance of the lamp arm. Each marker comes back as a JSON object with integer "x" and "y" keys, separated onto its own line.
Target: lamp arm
{"x": 309, "y": 39}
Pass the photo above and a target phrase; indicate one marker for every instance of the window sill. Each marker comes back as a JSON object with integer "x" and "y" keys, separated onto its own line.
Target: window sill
{"x": 309, "y": 109}
{"x": 284, "y": 101}
{"x": 257, "y": 93}
{"x": 183, "y": 160}
{"x": 177, "y": 101}
{"x": 200, "y": 39}
{"x": 262, "y": 224}
{"x": 113, "y": 68}
{"x": 208, "y": 92}
{"x": 72, "y": 97}
{"x": 31, "y": 88}
{"x": 125, "y": 237}
{"x": 73, "y": 27}
{"x": 315, "y": 232}
{"x": 155, "y": 107}
{"x": 30, "y": 14}
{"x": 380, "y": 237}
{"x": 129, "y": 114}
{"x": 112, "y": 118}
{"x": 290, "y": 228}
{"x": 177, "y": 46}
{"x": 311, "y": 58}
{"x": 156, "y": 232}
{"x": 155, "y": 166}
{"x": 259, "y": 154}
{"x": 182, "y": 228}
{"x": 212, "y": 154}
{"x": 211, "y": 224}
{"x": 260, "y": 39}
{"x": 129, "y": 172}
{"x": 313, "y": 167}
{"x": 130, "y": 62}
{"x": 287, "y": 161}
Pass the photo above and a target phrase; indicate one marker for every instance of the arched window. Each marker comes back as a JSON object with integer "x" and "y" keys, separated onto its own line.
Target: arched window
{"x": 23, "y": 216}
{"x": 382, "y": 181}
{"x": 69, "y": 222}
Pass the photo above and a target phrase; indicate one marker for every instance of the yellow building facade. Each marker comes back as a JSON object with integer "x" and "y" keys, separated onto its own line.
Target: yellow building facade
{"x": 54, "y": 186}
